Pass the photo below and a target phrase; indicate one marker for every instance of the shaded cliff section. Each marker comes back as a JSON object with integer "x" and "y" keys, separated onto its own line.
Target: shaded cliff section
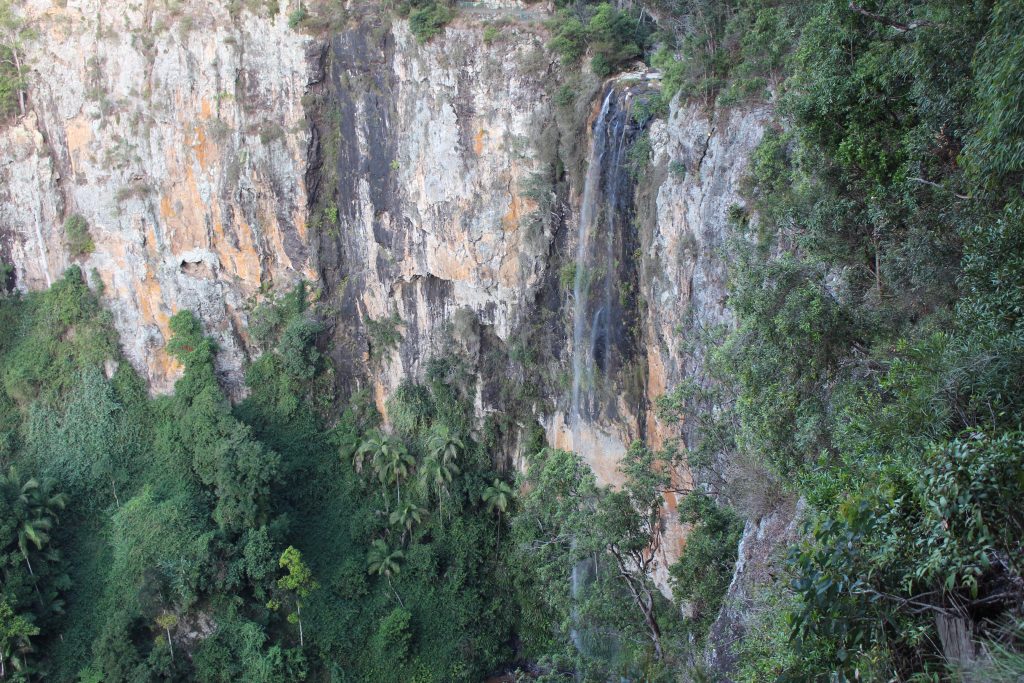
{"x": 435, "y": 211}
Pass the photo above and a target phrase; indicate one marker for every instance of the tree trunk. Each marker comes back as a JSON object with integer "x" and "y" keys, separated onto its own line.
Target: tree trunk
{"x": 644, "y": 602}
{"x": 652, "y": 625}
{"x": 114, "y": 487}
{"x": 170, "y": 645}
{"x": 298, "y": 611}
{"x": 401, "y": 604}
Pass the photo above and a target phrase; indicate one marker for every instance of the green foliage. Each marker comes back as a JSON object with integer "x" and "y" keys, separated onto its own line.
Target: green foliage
{"x": 16, "y": 631}
{"x": 995, "y": 152}
{"x": 15, "y": 32}
{"x": 51, "y": 337}
{"x": 873, "y": 363}
{"x": 383, "y": 336}
{"x": 735, "y": 50}
{"x": 298, "y": 16}
{"x": 703, "y": 572}
{"x": 614, "y": 37}
{"x": 589, "y": 549}
{"x": 638, "y": 157}
{"x": 427, "y": 19}
{"x": 76, "y": 232}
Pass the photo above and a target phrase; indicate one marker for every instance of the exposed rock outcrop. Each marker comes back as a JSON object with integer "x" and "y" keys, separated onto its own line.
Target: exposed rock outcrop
{"x": 178, "y": 135}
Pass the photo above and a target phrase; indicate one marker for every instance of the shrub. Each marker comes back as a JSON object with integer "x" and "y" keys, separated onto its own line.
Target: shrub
{"x": 429, "y": 20}
{"x": 76, "y": 234}
{"x": 704, "y": 570}
{"x": 298, "y": 16}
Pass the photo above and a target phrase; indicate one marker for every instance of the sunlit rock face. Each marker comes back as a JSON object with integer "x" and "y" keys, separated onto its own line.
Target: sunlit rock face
{"x": 702, "y": 158}
{"x": 180, "y": 138}
{"x": 185, "y": 142}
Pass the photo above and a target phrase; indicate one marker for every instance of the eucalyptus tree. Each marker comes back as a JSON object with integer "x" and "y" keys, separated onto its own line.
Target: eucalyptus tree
{"x": 298, "y": 583}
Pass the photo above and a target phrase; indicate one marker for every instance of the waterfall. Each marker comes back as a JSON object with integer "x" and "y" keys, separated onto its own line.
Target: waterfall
{"x": 586, "y": 219}
{"x": 604, "y": 216}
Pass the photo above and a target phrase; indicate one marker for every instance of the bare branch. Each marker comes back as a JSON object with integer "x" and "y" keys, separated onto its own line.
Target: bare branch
{"x": 881, "y": 18}
{"x": 941, "y": 187}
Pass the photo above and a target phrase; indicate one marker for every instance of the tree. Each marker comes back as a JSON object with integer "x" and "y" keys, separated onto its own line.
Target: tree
{"x": 567, "y": 521}
{"x": 436, "y": 475}
{"x": 15, "y": 631}
{"x": 383, "y": 561}
{"x": 34, "y": 509}
{"x": 298, "y": 582}
{"x": 444, "y": 445}
{"x": 166, "y": 620}
{"x": 407, "y": 516}
{"x": 14, "y": 33}
{"x": 394, "y": 466}
{"x": 497, "y": 498}
{"x": 389, "y": 459}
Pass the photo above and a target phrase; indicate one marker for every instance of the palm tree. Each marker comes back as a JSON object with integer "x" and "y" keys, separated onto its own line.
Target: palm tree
{"x": 444, "y": 445}
{"x": 497, "y": 497}
{"x": 407, "y": 516}
{"x": 389, "y": 459}
{"x": 394, "y": 466}
{"x": 374, "y": 444}
{"x": 35, "y": 511}
{"x": 383, "y": 561}
{"x": 436, "y": 475}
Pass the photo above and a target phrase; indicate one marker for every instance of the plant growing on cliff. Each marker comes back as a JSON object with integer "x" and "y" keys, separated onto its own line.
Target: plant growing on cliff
{"x": 615, "y": 37}
{"x": 427, "y": 18}
{"x": 14, "y": 34}
{"x": 702, "y": 574}
{"x": 382, "y": 335}
{"x": 76, "y": 232}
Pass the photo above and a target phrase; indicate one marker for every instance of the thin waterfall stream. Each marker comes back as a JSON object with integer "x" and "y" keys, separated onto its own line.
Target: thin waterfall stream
{"x": 598, "y": 316}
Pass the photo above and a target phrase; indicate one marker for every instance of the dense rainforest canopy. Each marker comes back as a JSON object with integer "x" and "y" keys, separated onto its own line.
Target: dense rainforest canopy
{"x": 874, "y": 373}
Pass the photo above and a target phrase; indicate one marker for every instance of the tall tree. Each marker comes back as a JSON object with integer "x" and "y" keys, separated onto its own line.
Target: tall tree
{"x": 15, "y": 32}
{"x": 497, "y": 497}
{"x": 298, "y": 584}
{"x": 386, "y": 562}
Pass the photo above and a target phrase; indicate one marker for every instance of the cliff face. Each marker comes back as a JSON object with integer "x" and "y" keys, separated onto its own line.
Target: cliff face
{"x": 422, "y": 154}
{"x": 179, "y": 137}
{"x": 218, "y": 155}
